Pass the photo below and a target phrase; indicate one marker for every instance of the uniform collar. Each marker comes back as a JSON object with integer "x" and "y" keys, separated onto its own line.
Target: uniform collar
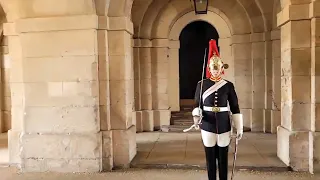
{"x": 215, "y": 79}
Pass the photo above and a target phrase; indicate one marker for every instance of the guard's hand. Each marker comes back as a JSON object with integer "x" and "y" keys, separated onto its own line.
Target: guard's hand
{"x": 196, "y": 120}
{"x": 239, "y": 135}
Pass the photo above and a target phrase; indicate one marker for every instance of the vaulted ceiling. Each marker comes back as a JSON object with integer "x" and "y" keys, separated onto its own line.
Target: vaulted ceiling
{"x": 245, "y": 16}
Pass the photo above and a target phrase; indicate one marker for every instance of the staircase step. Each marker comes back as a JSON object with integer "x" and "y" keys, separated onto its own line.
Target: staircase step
{"x": 183, "y": 123}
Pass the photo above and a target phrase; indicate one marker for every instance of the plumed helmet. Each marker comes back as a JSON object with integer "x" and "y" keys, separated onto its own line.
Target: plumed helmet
{"x": 214, "y": 60}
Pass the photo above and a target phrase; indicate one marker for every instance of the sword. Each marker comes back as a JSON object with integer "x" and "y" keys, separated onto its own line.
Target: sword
{"x": 234, "y": 156}
{"x": 203, "y": 67}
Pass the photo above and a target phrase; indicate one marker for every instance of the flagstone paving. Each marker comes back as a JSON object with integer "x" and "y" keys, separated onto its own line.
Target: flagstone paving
{"x": 154, "y": 174}
{"x": 185, "y": 150}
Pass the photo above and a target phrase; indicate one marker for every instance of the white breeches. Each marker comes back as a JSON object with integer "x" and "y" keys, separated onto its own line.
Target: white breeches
{"x": 210, "y": 139}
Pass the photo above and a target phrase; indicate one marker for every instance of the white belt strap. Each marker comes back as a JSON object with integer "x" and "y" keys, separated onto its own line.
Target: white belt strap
{"x": 213, "y": 88}
{"x": 215, "y": 109}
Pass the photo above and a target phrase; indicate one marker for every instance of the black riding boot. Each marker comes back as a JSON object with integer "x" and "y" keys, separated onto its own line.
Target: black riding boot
{"x": 210, "y": 153}
{"x": 222, "y": 156}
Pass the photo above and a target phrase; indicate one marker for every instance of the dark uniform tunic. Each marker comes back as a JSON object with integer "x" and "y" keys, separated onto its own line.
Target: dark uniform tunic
{"x": 217, "y": 122}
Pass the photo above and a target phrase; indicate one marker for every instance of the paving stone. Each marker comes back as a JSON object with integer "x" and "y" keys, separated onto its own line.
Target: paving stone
{"x": 255, "y": 150}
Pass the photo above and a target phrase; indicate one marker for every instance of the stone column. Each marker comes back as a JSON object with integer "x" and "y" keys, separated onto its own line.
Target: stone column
{"x": 137, "y": 115}
{"x": 159, "y": 77}
{"x": 17, "y": 92}
{"x": 144, "y": 115}
{"x": 55, "y": 94}
{"x": 173, "y": 73}
{"x": 295, "y": 135}
{"x": 315, "y": 81}
{"x": 121, "y": 89}
{"x": 241, "y": 50}
{"x": 276, "y": 81}
{"x": 259, "y": 81}
{"x": 153, "y": 63}
{"x": 267, "y": 125}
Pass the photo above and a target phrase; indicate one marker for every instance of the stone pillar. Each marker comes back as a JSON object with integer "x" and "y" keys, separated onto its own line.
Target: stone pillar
{"x": 55, "y": 94}
{"x": 144, "y": 113}
{"x": 295, "y": 135}
{"x": 17, "y": 92}
{"x": 315, "y": 81}
{"x": 276, "y": 81}
{"x": 267, "y": 125}
{"x": 121, "y": 89}
{"x": 173, "y": 73}
{"x": 241, "y": 50}
{"x": 159, "y": 77}
{"x": 154, "y": 108}
{"x": 259, "y": 81}
{"x": 137, "y": 74}
{"x": 137, "y": 114}
{"x": 104, "y": 98}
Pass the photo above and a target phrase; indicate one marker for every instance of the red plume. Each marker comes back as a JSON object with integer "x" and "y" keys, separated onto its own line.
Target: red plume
{"x": 212, "y": 49}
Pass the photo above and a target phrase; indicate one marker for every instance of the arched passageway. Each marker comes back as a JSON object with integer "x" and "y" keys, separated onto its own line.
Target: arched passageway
{"x": 194, "y": 40}
{"x": 125, "y": 80}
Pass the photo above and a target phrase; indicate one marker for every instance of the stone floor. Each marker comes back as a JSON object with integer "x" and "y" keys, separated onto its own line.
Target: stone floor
{"x": 185, "y": 150}
{"x": 4, "y": 156}
{"x": 154, "y": 174}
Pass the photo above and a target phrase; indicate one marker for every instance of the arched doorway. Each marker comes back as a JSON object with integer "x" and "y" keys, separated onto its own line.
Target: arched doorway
{"x": 194, "y": 38}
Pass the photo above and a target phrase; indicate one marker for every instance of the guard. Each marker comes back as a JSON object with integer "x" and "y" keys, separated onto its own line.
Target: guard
{"x": 213, "y": 115}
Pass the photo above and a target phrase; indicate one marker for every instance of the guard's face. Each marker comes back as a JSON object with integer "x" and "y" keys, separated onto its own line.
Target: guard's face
{"x": 215, "y": 68}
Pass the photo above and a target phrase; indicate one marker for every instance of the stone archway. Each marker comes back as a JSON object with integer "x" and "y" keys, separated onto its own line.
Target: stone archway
{"x": 222, "y": 26}
{"x": 194, "y": 40}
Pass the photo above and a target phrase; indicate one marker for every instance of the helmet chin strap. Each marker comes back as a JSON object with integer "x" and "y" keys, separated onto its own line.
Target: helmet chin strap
{"x": 217, "y": 78}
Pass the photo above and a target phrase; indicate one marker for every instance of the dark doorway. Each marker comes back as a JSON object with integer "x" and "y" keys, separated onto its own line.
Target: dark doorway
{"x": 194, "y": 38}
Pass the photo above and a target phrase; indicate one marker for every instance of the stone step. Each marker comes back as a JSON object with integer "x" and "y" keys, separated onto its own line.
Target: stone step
{"x": 185, "y": 115}
{"x": 184, "y": 120}
{"x": 179, "y": 118}
{"x": 183, "y": 123}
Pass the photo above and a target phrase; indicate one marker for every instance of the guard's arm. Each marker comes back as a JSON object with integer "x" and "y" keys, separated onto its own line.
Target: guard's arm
{"x": 197, "y": 112}
{"x": 237, "y": 117}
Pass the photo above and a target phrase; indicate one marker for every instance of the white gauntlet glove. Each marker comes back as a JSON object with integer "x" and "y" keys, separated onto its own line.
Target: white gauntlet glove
{"x": 196, "y": 113}
{"x": 238, "y": 123}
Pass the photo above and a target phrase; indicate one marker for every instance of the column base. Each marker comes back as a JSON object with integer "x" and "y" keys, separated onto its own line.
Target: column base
{"x": 151, "y": 120}
{"x": 258, "y": 119}
{"x": 294, "y": 148}
{"x": 316, "y": 153}
{"x": 107, "y": 151}
{"x": 124, "y": 147}
{"x": 14, "y": 147}
{"x": 75, "y": 152}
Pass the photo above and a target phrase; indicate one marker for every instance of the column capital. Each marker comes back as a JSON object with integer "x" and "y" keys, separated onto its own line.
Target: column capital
{"x": 121, "y": 24}
{"x": 250, "y": 38}
{"x": 142, "y": 43}
{"x": 160, "y": 43}
{"x": 9, "y": 29}
{"x": 314, "y": 9}
{"x": 293, "y": 12}
{"x": 62, "y": 23}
